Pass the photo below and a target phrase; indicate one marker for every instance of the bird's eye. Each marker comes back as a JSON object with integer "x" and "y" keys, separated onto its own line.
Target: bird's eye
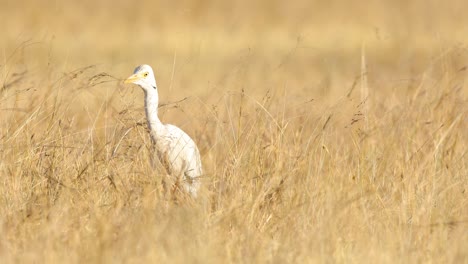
{"x": 145, "y": 74}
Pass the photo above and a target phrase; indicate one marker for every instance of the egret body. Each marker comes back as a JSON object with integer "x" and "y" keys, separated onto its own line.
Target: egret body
{"x": 174, "y": 148}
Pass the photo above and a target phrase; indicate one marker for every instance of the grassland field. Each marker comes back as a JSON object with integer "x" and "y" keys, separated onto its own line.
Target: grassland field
{"x": 330, "y": 131}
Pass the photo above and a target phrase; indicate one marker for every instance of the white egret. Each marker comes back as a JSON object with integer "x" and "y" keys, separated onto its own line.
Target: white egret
{"x": 175, "y": 149}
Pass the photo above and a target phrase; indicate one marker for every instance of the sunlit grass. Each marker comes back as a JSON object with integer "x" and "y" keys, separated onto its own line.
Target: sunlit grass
{"x": 331, "y": 138}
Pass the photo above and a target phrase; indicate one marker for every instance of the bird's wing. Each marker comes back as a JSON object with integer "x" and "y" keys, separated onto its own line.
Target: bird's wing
{"x": 184, "y": 151}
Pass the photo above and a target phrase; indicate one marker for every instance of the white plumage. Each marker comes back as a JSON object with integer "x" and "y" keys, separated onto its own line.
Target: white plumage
{"x": 174, "y": 148}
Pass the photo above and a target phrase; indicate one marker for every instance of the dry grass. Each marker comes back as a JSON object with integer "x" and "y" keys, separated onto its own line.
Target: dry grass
{"x": 329, "y": 132}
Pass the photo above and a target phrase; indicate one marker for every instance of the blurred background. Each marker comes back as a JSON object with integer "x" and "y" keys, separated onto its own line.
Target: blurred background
{"x": 316, "y": 43}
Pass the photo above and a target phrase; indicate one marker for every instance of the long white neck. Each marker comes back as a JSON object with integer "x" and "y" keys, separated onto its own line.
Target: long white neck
{"x": 151, "y": 109}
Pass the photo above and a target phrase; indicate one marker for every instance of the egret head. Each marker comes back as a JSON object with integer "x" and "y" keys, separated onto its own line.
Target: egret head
{"x": 144, "y": 77}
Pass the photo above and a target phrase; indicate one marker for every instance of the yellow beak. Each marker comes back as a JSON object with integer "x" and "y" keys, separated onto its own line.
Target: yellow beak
{"x": 133, "y": 78}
